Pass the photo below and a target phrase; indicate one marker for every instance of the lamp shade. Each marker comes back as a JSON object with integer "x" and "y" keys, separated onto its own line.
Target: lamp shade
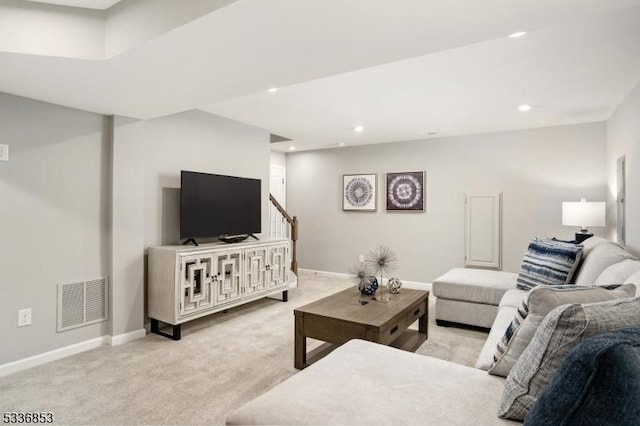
{"x": 584, "y": 213}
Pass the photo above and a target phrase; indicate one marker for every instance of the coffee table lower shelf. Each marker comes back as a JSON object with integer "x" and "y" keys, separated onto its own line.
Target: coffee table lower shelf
{"x": 409, "y": 341}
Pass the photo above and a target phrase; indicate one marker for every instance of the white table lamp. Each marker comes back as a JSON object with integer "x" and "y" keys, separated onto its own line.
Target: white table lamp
{"x": 584, "y": 213}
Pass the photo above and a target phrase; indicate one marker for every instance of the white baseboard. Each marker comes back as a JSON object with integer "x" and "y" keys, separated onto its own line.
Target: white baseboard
{"x": 408, "y": 284}
{"x": 416, "y": 285}
{"x": 87, "y": 345}
{"x": 325, "y": 273}
{"x": 121, "y": 339}
{"x": 33, "y": 361}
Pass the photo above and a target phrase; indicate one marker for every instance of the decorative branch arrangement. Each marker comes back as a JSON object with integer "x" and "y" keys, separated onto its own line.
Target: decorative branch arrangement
{"x": 381, "y": 260}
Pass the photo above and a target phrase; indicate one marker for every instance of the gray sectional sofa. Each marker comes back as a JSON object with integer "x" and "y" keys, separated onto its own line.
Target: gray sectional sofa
{"x": 474, "y": 296}
{"x": 366, "y": 383}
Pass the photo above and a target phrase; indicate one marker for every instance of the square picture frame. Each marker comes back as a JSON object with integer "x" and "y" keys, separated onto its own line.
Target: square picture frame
{"x": 360, "y": 192}
{"x": 405, "y": 191}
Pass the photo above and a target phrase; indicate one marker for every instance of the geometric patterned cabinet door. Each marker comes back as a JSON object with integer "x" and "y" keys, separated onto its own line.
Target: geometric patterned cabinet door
{"x": 277, "y": 265}
{"x": 227, "y": 276}
{"x": 255, "y": 280}
{"x": 189, "y": 282}
{"x": 196, "y": 283}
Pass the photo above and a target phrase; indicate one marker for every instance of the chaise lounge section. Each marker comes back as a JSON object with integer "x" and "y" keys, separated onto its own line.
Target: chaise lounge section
{"x": 472, "y": 297}
{"x": 367, "y": 383}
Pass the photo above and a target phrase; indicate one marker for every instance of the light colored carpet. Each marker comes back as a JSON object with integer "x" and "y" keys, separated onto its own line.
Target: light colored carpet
{"x": 222, "y": 362}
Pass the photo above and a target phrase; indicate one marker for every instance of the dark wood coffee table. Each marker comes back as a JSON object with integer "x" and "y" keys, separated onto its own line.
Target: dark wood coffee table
{"x": 339, "y": 318}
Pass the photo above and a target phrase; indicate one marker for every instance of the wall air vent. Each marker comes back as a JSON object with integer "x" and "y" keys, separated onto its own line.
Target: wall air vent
{"x": 82, "y": 303}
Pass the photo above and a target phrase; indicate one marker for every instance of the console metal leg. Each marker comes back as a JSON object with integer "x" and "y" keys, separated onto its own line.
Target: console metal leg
{"x": 176, "y": 330}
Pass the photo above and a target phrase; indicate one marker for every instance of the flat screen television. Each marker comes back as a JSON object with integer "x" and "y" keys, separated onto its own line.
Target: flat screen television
{"x": 216, "y": 205}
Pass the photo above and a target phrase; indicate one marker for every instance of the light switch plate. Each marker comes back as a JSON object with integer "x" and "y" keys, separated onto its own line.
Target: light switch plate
{"x": 4, "y": 152}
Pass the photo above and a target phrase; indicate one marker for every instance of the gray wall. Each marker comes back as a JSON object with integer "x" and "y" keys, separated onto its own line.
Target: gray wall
{"x": 623, "y": 138}
{"x": 535, "y": 169}
{"x": 202, "y": 142}
{"x": 83, "y": 195}
{"x": 55, "y": 217}
{"x": 127, "y": 225}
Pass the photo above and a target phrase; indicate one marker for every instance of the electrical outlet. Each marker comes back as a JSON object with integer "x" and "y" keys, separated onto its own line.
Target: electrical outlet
{"x": 24, "y": 317}
{"x": 4, "y": 152}
{"x": 361, "y": 258}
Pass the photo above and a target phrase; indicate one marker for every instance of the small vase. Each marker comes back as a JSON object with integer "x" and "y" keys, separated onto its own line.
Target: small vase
{"x": 382, "y": 296}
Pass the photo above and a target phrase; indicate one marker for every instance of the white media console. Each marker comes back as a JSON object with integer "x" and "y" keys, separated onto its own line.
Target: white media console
{"x": 188, "y": 282}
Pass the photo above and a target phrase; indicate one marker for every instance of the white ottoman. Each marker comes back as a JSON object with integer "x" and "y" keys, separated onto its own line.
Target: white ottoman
{"x": 470, "y": 296}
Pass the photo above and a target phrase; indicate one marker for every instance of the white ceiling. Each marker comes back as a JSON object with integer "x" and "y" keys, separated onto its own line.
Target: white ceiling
{"x": 86, "y": 4}
{"x": 401, "y": 69}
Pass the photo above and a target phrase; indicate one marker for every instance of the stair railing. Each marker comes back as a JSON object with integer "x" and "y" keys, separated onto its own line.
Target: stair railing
{"x": 284, "y": 226}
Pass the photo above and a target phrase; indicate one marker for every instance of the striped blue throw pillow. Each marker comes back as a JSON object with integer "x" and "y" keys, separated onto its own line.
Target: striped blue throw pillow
{"x": 548, "y": 262}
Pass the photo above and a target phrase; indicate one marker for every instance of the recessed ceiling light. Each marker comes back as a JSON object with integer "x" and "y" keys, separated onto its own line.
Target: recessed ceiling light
{"x": 272, "y": 90}
{"x": 358, "y": 129}
{"x": 524, "y": 107}
{"x": 518, "y": 34}
{"x": 340, "y": 144}
{"x": 291, "y": 148}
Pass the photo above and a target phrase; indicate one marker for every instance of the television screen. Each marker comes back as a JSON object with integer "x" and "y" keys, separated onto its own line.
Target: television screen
{"x": 214, "y": 205}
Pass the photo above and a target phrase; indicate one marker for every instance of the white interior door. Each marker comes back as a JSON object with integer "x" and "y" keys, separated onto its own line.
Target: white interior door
{"x": 277, "y": 184}
{"x": 620, "y": 201}
{"x": 482, "y": 230}
{"x": 277, "y": 187}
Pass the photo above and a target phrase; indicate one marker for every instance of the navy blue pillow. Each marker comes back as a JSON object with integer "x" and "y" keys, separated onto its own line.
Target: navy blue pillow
{"x": 598, "y": 383}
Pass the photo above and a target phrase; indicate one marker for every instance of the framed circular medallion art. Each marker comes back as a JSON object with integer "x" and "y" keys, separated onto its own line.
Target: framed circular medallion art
{"x": 359, "y": 192}
{"x": 405, "y": 191}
